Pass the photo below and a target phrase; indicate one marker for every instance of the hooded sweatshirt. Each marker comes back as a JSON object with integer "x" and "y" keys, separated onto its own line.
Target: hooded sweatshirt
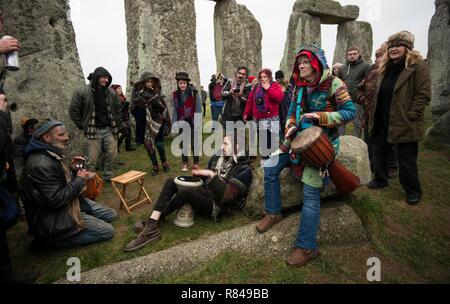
{"x": 328, "y": 97}
{"x": 101, "y": 111}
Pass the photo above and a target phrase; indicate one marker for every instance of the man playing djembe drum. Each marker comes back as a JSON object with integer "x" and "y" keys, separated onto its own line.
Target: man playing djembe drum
{"x": 320, "y": 99}
{"x": 227, "y": 181}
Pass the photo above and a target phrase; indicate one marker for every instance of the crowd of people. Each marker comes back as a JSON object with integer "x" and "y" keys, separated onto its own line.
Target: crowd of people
{"x": 384, "y": 101}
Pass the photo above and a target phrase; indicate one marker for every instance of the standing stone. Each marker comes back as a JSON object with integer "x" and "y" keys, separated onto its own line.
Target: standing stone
{"x": 352, "y": 154}
{"x": 237, "y": 37}
{"x": 161, "y": 39}
{"x": 50, "y": 68}
{"x": 351, "y": 33}
{"x": 439, "y": 61}
{"x": 329, "y": 12}
{"x": 302, "y": 29}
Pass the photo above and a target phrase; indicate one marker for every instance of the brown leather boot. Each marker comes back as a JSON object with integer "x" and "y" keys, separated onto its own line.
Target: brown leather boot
{"x": 301, "y": 256}
{"x": 150, "y": 233}
{"x": 268, "y": 221}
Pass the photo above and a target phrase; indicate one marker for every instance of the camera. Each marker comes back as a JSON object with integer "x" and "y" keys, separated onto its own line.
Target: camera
{"x": 237, "y": 90}
{"x": 259, "y": 101}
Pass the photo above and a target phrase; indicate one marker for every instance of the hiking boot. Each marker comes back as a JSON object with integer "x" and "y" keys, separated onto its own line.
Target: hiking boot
{"x": 139, "y": 226}
{"x": 268, "y": 221}
{"x": 374, "y": 185}
{"x": 185, "y": 167}
{"x": 150, "y": 233}
{"x": 155, "y": 170}
{"x": 166, "y": 167}
{"x": 301, "y": 256}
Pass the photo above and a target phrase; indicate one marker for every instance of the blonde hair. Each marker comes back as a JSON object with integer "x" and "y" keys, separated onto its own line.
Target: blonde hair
{"x": 412, "y": 57}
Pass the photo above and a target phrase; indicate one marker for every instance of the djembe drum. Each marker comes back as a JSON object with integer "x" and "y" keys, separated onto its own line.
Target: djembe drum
{"x": 185, "y": 215}
{"x": 315, "y": 147}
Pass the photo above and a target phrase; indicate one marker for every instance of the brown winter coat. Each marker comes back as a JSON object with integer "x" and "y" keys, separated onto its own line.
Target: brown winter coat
{"x": 411, "y": 94}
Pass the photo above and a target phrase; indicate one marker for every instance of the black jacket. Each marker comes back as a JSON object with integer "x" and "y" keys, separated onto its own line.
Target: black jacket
{"x": 352, "y": 74}
{"x": 82, "y": 103}
{"x": 47, "y": 195}
{"x": 228, "y": 99}
{"x": 231, "y": 191}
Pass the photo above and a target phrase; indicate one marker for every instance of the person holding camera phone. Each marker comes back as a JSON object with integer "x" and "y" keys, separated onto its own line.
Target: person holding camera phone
{"x": 57, "y": 212}
{"x": 235, "y": 94}
{"x": 263, "y": 107}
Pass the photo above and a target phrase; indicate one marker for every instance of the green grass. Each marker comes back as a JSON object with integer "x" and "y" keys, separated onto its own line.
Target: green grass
{"x": 413, "y": 242}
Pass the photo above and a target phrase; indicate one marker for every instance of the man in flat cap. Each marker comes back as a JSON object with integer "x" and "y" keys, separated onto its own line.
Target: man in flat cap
{"x": 58, "y": 214}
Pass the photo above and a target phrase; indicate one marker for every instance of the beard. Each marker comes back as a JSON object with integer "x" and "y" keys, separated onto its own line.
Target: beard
{"x": 60, "y": 145}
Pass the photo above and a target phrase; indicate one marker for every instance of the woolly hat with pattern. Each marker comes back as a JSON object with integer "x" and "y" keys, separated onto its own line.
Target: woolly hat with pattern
{"x": 403, "y": 37}
{"x": 45, "y": 126}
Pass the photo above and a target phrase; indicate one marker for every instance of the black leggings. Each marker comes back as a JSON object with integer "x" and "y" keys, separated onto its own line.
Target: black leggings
{"x": 125, "y": 135}
{"x": 172, "y": 199}
{"x": 159, "y": 143}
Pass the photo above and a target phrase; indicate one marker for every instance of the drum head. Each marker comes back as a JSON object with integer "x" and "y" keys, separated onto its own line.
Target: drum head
{"x": 188, "y": 181}
{"x": 306, "y": 138}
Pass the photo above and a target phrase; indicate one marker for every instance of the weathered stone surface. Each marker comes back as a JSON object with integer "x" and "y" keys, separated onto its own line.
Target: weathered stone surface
{"x": 439, "y": 132}
{"x": 237, "y": 38}
{"x": 50, "y": 68}
{"x": 161, "y": 39}
{"x": 329, "y": 12}
{"x": 352, "y": 154}
{"x": 302, "y": 29}
{"x": 354, "y": 33}
{"x": 439, "y": 61}
{"x": 340, "y": 226}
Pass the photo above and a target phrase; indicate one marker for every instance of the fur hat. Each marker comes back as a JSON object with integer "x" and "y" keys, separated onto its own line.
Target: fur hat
{"x": 403, "y": 37}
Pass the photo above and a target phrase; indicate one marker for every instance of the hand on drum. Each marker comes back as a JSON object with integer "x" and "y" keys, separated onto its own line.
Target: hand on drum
{"x": 291, "y": 131}
{"x": 311, "y": 116}
{"x": 202, "y": 172}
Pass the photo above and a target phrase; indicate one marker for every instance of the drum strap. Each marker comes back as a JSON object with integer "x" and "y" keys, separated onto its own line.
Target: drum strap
{"x": 299, "y": 104}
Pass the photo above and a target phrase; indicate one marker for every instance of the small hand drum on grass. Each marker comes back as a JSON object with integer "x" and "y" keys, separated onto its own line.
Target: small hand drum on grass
{"x": 185, "y": 215}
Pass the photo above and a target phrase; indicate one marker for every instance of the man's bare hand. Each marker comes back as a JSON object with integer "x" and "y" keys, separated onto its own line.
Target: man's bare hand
{"x": 8, "y": 44}
{"x": 3, "y": 103}
{"x": 202, "y": 172}
{"x": 84, "y": 174}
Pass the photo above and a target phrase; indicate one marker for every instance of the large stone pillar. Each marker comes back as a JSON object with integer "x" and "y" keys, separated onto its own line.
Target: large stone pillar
{"x": 353, "y": 33}
{"x": 50, "y": 68}
{"x": 237, "y": 38}
{"x": 439, "y": 61}
{"x": 161, "y": 39}
{"x": 304, "y": 25}
{"x": 302, "y": 29}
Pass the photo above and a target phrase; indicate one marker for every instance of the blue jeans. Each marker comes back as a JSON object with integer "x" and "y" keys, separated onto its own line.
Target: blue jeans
{"x": 310, "y": 218}
{"x": 97, "y": 227}
{"x": 272, "y": 193}
{"x": 215, "y": 113}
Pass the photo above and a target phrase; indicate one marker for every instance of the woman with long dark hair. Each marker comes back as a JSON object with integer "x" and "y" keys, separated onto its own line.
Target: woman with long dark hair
{"x": 157, "y": 118}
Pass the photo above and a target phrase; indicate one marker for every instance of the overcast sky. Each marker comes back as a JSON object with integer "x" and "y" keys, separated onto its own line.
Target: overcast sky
{"x": 101, "y": 31}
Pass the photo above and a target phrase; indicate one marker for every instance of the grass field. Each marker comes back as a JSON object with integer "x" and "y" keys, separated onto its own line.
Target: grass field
{"x": 412, "y": 242}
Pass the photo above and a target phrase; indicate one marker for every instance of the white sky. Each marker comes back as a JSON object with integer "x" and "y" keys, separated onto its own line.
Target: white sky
{"x": 101, "y": 31}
